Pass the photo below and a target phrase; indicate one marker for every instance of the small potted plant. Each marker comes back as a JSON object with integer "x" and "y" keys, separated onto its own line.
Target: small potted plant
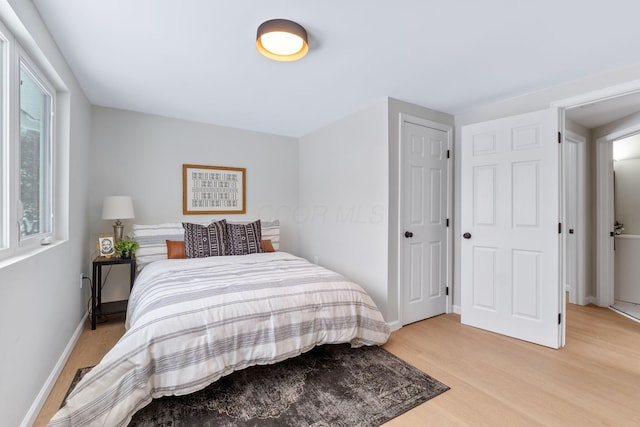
{"x": 126, "y": 248}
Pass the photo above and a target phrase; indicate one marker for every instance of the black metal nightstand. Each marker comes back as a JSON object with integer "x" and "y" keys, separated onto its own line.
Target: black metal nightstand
{"x": 113, "y": 307}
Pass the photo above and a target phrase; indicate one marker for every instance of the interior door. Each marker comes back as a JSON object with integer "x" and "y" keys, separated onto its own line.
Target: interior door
{"x": 575, "y": 231}
{"x": 605, "y": 239}
{"x": 424, "y": 205}
{"x": 510, "y": 250}
{"x": 571, "y": 219}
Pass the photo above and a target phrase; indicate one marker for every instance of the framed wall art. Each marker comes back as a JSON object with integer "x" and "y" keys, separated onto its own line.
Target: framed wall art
{"x": 213, "y": 190}
{"x": 106, "y": 246}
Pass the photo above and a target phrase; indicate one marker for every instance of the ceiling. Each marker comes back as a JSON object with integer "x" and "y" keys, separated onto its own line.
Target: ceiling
{"x": 603, "y": 112}
{"x": 196, "y": 59}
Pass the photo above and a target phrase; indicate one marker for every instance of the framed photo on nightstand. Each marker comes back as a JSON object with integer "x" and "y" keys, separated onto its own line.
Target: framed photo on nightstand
{"x": 106, "y": 246}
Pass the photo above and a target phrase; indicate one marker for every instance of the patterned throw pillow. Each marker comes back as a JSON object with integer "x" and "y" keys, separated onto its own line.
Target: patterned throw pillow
{"x": 244, "y": 238}
{"x": 202, "y": 241}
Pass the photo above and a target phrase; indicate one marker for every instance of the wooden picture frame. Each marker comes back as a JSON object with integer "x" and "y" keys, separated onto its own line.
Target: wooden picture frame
{"x": 106, "y": 246}
{"x": 213, "y": 190}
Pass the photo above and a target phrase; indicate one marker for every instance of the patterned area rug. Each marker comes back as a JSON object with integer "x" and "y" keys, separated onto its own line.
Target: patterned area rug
{"x": 332, "y": 385}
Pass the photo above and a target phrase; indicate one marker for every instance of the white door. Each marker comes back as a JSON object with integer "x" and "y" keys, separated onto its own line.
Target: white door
{"x": 605, "y": 239}
{"x": 510, "y": 250}
{"x": 574, "y": 157}
{"x": 424, "y": 212}
{"x": 571, "y": 219}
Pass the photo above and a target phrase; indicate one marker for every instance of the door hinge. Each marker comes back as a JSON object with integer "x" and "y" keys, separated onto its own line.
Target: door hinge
{"x": 559, "y": 318}
{"x": 447, "y": 222}
{"x": 447, "y": 290}
{"x": 559, "y": 137}
{"x": 448, "y": 154}
{"x": 559, "y": 228}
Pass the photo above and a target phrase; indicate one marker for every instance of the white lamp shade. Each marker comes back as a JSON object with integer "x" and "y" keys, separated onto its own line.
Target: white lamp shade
{"x": 117, "y": 207}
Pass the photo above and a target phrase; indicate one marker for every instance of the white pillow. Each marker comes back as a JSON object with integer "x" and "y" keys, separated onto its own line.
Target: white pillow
{"x": 271, "y": 231}
{"x": 152, "y": 240}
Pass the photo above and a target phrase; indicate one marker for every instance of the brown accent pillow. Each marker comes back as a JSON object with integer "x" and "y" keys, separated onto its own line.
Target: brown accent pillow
{"x": 266, "y": 246}
{"x": 175, "y": 249}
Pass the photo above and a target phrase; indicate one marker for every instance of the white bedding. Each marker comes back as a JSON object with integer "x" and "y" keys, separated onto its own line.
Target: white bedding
{"x": 193, "y": 321}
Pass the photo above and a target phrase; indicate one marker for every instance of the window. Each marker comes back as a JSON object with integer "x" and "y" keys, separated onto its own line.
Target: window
{"x": 35, "y": 204}
{"x": 5, "y": 172}
{"x": 27, "y": 155}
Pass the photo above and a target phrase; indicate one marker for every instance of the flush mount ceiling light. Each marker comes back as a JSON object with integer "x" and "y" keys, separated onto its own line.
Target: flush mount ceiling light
{"x": 282, "y": 40}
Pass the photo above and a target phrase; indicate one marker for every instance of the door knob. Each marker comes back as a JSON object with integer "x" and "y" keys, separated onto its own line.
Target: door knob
{"x": 467, "y": 235}
{"x": 408, "y": 234}
{"x": 571, "y": 231}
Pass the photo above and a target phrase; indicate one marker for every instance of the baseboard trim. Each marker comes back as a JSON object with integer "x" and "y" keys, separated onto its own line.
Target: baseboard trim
{"x": 38, "y": 403}
{"x": 456, "y": 309}
{"x": 395, "y": 325}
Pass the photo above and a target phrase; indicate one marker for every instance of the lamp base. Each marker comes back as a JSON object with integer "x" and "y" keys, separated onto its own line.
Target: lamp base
{"x": 117, "y": 232}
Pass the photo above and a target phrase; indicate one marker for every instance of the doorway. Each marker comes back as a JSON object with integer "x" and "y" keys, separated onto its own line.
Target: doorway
{"x": 626, "y": 201}
{"x": 604, "y": 120}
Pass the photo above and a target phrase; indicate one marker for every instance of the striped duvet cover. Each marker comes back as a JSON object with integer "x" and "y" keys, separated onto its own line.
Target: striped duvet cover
{"x": 193, "y": 321}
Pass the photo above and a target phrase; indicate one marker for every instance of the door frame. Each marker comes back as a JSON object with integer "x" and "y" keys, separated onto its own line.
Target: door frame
{"x": 604, "y": 176}
{"x": 604, "y": 261}
{"x": 578, "y": 290}
{"x": 448, "y": 129}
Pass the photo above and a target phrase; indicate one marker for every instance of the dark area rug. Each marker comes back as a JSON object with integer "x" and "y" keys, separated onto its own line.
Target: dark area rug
{"x": 332, "y": 385}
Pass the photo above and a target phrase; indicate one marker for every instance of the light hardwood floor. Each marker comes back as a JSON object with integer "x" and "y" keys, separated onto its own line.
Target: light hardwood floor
{"x": 495, "y": 381}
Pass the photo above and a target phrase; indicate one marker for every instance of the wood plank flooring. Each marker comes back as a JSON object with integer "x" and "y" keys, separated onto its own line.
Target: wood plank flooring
{"x": 495, "y": 381}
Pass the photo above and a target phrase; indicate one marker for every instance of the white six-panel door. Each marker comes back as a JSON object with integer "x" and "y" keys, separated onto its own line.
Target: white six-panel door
{"x": 510, "y": 254}
{"x": 424, "y": 210}
{"x": 575, "y": 230}
{"x": 571, "y": 219}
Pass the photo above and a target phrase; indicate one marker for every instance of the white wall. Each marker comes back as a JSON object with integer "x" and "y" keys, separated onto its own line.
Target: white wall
{"x": 41, "y": 303}
{"x": 343, "y": 208}
{"x": 141, "y": 155}
{"x": 349, "y": 183}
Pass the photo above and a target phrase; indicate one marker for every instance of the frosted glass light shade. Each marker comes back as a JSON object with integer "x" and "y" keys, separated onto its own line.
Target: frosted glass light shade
{"x": 282, "y": 40}
{"x": 117, "y": 207}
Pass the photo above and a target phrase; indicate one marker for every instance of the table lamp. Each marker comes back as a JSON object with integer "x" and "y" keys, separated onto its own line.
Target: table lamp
{"x": 117, "y": 207}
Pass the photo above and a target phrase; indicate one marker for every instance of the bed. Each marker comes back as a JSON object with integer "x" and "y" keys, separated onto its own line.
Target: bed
{"x": 192, "y": 321}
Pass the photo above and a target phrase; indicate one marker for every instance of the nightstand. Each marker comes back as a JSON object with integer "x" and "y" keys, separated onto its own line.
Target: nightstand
{"x": 98, "y": 308}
